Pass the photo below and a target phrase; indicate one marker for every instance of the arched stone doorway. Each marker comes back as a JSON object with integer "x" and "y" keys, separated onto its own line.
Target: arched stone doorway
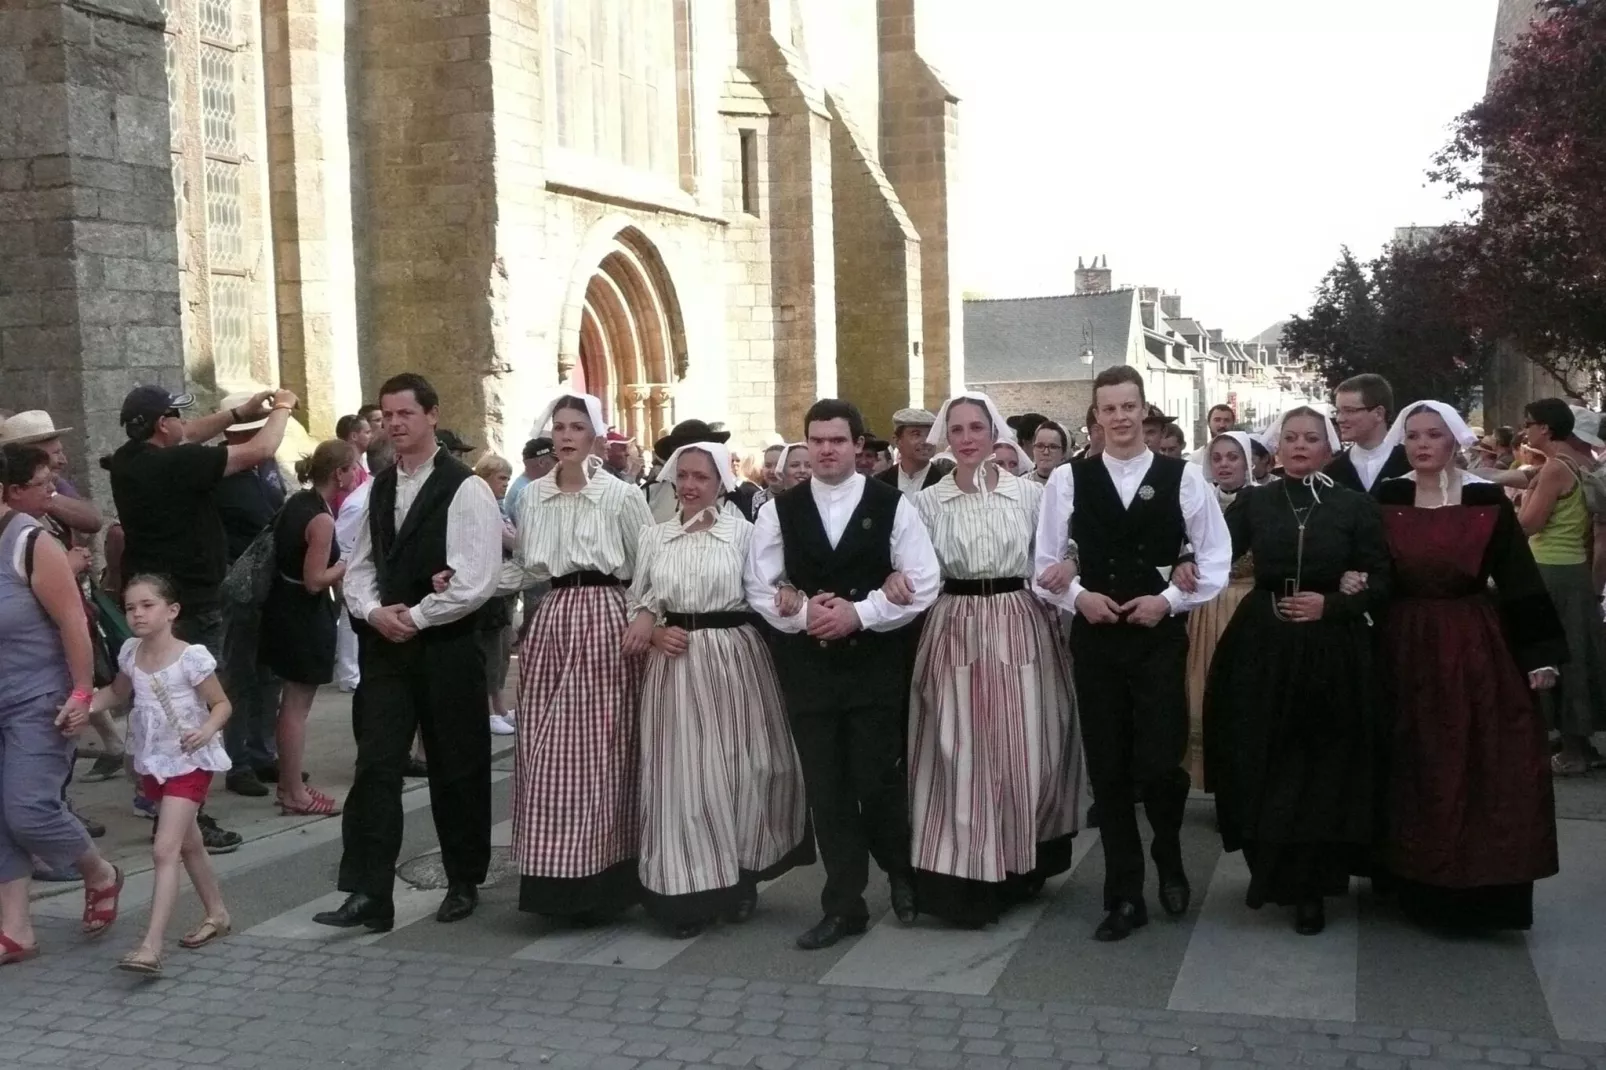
{"x": 630, "y": 346}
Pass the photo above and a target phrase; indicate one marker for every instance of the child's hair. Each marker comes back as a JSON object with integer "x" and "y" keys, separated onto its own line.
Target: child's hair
{"x": 492, "y": 465}
{"x": 330, "y": 457}
{"x": 155, "y": 581}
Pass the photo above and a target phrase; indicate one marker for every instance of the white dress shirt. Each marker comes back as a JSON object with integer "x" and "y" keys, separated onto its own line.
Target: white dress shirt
{"x": 353, "y": 513}
{"x": 913, "y": 484}
{"x": 1201, "y": 517}
{"x": 912, "y": 555}
{"x": 1369, "y": 462}
{"x": 473, "y": 551}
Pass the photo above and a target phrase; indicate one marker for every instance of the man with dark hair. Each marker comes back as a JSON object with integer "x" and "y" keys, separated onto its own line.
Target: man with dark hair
{"x": 1122, "y": 516}
{"x": 1218, "y": 421}
{"x": 821, "y": 557}
{"x": 374, "y": 416}
{"x": 1095, "y": 436}
{"x": 422, "y": 669}
{"x": 1365, "y": 405}
{"x": 1155, "y": 422}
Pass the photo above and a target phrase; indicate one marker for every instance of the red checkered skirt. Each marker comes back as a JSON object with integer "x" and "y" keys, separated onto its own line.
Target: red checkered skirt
{"x": 576, "y": 773}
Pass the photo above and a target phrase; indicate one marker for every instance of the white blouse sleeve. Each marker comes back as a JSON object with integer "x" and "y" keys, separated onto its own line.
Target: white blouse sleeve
{"x": 125, "y": 656}
{"x": 198, "y": 664}
{"x": 633, "y": 516}
{"x": 642, "y": 595}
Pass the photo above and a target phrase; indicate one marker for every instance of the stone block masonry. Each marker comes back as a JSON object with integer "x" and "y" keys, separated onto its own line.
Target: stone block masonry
{"x": 89, "y": 287}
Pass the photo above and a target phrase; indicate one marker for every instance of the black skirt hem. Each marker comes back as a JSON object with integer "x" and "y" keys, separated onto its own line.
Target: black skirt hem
{"x": 1491, "y": 908}
{"x": 970, "y": 903}
{"x": 691, "y": 907}
{"x": 612, "y": 891}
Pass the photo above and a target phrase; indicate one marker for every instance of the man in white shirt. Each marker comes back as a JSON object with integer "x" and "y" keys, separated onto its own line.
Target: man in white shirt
{"x": 830, "y": 545}
{"x": 421, "y": 665}
{"x": 350, "y": 518}
{"x": 1122, "y": 515}
{"x": 1365, "y": 405}
{"x": 915, "y": 470}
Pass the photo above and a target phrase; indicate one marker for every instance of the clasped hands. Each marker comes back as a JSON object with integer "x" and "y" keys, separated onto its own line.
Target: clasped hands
{"x": 1146, "y": 611}
{"x": 644, "y": 633}
{"x": 832, "y": 617}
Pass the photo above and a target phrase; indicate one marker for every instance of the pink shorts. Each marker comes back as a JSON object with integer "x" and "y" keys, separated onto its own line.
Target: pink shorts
{"x": 193, "y": 786}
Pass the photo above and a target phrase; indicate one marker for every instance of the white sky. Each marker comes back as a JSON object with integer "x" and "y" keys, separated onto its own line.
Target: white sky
{"x": 1223, "y": 149}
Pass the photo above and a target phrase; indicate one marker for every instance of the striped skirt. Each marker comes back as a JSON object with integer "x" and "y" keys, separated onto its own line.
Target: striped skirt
{"x": 721, "y": 790}
{"x": 1205, "y": 625}
{"x": 996, "y": 783}
{"x": 576, "y": 785}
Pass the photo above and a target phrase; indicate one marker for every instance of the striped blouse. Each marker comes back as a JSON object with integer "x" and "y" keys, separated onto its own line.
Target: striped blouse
{"x": 692, "y": 572}
{"x": 982, "y": 536}
{"x": 596, "y": 528}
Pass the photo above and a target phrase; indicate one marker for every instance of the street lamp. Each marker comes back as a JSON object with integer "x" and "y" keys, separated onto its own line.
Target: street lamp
{"x": 1087, "y": 342}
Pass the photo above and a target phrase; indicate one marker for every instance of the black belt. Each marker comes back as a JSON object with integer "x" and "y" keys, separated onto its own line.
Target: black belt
{"x": 984, "y": 588}
{"x": 586, "y": 578}
{"x": 692, "y": 622}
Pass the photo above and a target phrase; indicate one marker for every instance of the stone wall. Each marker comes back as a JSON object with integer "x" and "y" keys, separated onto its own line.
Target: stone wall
{"x": 1064, "y": 400}
{"x": 88, "y": 250}
{"x": 878, "y": 318}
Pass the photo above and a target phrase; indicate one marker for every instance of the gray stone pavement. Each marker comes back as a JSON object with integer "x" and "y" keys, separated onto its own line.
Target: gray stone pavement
{"x": 272, "y": 1005}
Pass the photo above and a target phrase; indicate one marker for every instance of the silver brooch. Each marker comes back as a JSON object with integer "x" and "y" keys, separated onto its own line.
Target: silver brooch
{"x": 867, "y": 524}
{"x": 1146, "y": 492}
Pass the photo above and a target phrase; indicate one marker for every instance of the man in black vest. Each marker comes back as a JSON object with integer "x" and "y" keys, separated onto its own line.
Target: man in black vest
{"x": 422, "y": 669}
{"x": 829, "y": 546}
{"x": 1365, "y": 405}
{"x": 1122, "y": 515}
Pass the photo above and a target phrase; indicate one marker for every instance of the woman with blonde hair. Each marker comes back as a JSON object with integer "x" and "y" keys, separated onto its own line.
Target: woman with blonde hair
{"x": 299, "y": 619}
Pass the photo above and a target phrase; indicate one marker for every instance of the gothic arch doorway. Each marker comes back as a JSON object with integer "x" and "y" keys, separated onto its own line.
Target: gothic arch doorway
{"x": 630, "y": 346}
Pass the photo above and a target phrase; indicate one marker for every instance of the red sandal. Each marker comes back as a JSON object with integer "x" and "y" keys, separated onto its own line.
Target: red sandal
{"x": 98, "y": 917}
{"x": 12, "y": 952}
{"x": 321, "y": 805}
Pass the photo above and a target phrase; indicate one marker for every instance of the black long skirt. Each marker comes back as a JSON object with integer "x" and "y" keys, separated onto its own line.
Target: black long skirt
{"x": 1292, "y": 713}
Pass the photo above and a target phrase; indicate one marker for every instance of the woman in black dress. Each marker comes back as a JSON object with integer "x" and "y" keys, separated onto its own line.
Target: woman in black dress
{"x": 1472, "y": 821}
{"x": 1293, "y": 705}
{"x": 299, "y": 617}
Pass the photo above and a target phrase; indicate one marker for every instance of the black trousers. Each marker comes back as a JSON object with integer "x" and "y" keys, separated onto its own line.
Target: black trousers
{"x": 848, "y": 722}
{"x": 433, "y": 685}
{"x": 1131, "y": 691}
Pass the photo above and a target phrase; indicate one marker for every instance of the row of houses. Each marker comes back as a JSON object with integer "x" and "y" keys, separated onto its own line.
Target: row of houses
{"x": 1041, "y": 354}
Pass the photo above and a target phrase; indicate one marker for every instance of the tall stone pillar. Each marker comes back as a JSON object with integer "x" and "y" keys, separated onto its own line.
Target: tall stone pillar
{"x": 89, "y": 302}
{"x": 920, "y": 153}
{"x": 309, "y": 178}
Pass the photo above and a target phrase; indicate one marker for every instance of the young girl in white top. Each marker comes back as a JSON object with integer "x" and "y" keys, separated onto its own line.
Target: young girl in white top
{"x": 178, "y": 710}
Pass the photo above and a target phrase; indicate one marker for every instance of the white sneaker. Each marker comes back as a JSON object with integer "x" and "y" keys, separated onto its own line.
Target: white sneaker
{"x": 501, "y": 726}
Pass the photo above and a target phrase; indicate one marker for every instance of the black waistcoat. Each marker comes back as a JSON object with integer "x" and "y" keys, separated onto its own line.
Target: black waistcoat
{"x": 1123, "y": 548}
{"x": 1341, "y": 470}
{"x": 860, "y": 562}
{"x": 406, "y": 560}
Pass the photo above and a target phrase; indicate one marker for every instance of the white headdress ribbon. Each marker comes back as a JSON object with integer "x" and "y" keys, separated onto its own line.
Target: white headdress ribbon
{"x": 1025, "y": 463}
{"x": 1273, "y": 437}
{"x": 543, "y": 423}
{"x": 1245, "y": 442}
{"x": 938, "y": 436}
{"x": 720, "y": 455}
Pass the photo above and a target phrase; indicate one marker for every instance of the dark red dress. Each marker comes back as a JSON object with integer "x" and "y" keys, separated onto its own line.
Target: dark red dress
{"x": 1472, "y": 821}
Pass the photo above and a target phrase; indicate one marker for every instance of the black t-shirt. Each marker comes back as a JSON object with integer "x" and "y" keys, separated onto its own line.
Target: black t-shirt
{"x": 170, "y": 524}
{"x": 247, "y": 501}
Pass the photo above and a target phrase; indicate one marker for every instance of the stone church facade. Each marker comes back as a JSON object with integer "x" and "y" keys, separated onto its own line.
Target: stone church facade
{"x": 712, "y": 208}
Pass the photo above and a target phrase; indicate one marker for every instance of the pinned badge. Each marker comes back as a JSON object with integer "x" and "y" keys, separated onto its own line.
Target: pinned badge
{"x": 867, "y": 524}
{"x": 1146, "y": 492}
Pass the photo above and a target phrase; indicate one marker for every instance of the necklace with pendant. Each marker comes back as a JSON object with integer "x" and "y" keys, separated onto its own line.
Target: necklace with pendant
{"x": 1301, "y": 518}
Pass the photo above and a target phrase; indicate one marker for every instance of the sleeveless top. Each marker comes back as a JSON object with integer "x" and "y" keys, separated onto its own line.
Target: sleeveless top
{"x": 290, "y": 536}
{"x": 1561, "y": 541}
{"x": 33, "y": 661}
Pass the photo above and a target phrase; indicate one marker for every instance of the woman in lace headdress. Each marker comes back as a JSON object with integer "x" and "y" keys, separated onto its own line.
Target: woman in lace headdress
{"x": 1293, "y": 702}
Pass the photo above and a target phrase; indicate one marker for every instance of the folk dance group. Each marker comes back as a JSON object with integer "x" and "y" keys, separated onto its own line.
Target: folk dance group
{"x": 881, "y": 673}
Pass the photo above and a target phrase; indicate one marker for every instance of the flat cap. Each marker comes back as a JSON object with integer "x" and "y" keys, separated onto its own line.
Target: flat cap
{"x": 913, "y": 418}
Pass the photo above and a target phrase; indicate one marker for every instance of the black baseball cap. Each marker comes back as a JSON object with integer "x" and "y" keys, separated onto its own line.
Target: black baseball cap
{"x": 145, "y": 405}
{"x": 451, "y": 441}
{"x": 538, "y": 447}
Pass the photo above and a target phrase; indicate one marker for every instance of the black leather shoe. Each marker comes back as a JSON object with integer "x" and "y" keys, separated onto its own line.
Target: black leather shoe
{"x": 832, "y": 928}
{"x": 1310, "y": 917}
{"x": 903, "y": 898}
{"x": 1175, "y": 893}
{"x": 246, "y": 782}
{"x": 742, "y": 910}
{"x": 1119, "y": 922}
{"x": 690, "y": 930}
{"x": 359, "y": 909}
{"x": 461, "y": 899}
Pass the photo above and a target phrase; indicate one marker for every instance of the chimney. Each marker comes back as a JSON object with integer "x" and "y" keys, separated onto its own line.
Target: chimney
{"x": 1095, "y": 279}
{"x": 1215, "y": 334}
{"x": 1151, "y": 294}
{"x": 1171, "y": 306}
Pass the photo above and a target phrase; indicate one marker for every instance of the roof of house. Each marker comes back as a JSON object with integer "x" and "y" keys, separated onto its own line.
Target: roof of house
{"x": 1271, "y": 336}
{"x": 1041, "y": 338}
{"x": 1186, "y": 326}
